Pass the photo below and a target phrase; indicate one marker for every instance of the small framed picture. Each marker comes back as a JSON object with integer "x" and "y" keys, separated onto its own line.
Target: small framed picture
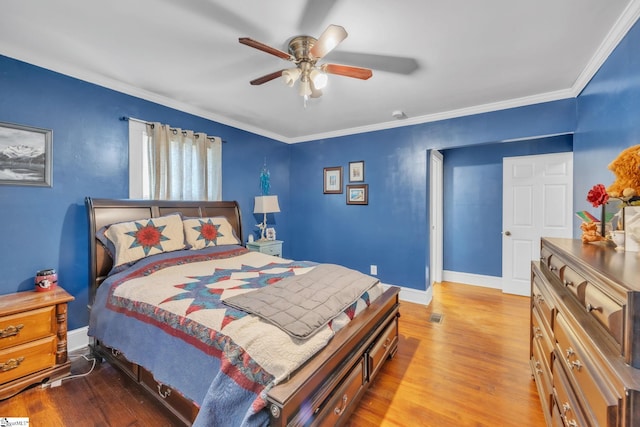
{"x": 356, "y": 171}
{"x": 270, "y": 233}
{"x": 333, "y": 180}
{"x": 358, "y": 194}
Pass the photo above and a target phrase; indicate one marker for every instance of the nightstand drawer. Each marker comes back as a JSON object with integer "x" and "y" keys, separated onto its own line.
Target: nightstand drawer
{"x": 27, "y": 358}
{"x": 27, "y": 326}
{"x": 269, "y": 247}
{"x": 271, "y": 250}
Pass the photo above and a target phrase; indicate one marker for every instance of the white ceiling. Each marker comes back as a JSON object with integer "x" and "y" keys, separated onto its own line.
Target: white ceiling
{"x": 467, "y": 56}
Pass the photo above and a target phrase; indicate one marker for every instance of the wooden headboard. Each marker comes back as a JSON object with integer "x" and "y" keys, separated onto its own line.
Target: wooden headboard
{"x": 103, "y": 212}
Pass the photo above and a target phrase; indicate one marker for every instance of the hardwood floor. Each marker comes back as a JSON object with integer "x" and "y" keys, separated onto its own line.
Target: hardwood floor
{"x": 469, "y": 370}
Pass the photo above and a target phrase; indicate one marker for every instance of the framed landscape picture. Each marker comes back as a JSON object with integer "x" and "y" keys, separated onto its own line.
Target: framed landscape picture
{"x": 25, "y": 155}
{"x": 358, "y": 194}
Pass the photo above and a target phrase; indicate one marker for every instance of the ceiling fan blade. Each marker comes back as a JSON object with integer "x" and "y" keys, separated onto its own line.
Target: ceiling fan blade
{"x": 314, "y": 14}
{"x": 329, "y": 39}
{"x": 267, "y": 78}
{"x": 392, "y": 64}
{"x": 348, "y": 71}
{"x": 265, "y": 48}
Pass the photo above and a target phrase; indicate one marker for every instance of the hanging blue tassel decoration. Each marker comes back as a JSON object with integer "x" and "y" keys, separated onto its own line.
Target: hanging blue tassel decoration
{"x": 265, "y": 177}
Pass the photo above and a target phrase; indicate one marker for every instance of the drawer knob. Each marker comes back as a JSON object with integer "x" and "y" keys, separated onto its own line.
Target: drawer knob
{"x": 11, "y": 364}
{"x": 339, "y": 410}
{"x": 11, "y": 330}
{"x": 570, "y": 352}
{"x": 591, "y": 308}
{"x": 164, "y": 394}
{"x": 576, "y": 364}
{"x": 565, "y": 407}
{"x": 568, "y": 283}
{"x": 553, "y": 268}
{"x": 537, "y": 332}
{"x": 387, "y": 342}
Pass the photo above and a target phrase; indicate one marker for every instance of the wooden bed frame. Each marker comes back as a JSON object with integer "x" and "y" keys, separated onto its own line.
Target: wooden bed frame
{"x": 324, "y": 391}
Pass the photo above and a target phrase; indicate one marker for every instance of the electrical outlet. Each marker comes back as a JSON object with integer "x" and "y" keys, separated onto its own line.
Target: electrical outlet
{"x": 374, "y": 270}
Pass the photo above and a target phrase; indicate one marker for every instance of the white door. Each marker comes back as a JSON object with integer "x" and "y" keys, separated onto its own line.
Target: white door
{"x": 435, "y": 215}
{"x": 537, "y": 202}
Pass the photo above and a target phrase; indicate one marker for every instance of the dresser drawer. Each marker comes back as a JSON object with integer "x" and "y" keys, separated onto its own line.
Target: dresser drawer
{"x": 545, "y": 256}
{"x": 598, "y": 399}
{"x": 336, "y": 408}
{"x": 24, "y": 359}
{"x": 574, "y": 282}
{"x": 383, "y": 345}
{"x": 568, "y": 408}
{"x": 542, "y": 303}
{"x": 607, "y": 312}
{"x": 27, "y": 326}
{"x": 542, "y": 374}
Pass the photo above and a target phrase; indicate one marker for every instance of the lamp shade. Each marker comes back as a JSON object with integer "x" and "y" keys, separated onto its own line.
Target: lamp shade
{"x": 266, "y": 204}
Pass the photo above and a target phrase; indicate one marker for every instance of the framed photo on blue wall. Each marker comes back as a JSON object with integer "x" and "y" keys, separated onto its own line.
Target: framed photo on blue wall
{"x": 356, "y": 171}
{"x": 358, "y": 194}
{"x": 333, "y": 180}
{"x": 25, "y": 155}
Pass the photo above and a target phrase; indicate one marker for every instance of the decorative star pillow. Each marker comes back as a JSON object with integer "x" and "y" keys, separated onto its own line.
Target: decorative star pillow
{"x": 139, "y": 239}
{"x": 204, "y": 232}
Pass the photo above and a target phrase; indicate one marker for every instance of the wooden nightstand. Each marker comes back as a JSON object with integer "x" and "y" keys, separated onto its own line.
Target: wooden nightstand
{"x": 33, "y": 339}
{"x": 269, "y": 247}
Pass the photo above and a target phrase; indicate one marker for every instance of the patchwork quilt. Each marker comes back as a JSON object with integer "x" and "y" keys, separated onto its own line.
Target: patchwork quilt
{"x": 166, "y": 313}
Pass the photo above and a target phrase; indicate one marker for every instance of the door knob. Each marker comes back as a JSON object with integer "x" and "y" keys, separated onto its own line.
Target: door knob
{"x": 507, "y": 233}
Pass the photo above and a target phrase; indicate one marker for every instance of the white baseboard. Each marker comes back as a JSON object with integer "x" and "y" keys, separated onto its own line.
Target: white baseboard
{"x": 415, "y": 295}
{"x": 472, "y": 279}
{"x": 77, "y": 339}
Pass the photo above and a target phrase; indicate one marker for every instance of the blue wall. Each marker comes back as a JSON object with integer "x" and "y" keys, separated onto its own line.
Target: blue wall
{"x": 473, "y": 201}
{"x": 47, "y": 227}
{"x": 608, "y": 118}
{"x": 391, "y": 231}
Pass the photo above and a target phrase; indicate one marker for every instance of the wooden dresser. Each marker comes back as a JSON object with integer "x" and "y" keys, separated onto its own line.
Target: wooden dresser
{"x": 33, "y": 339}
{"x": 585, "y": 327}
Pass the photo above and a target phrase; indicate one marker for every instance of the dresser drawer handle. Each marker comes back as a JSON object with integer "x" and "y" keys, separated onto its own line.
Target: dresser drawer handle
{"x": 568, "y": 283}
{"x": 565, "y": 407}
{"x": 538, "y": 332}
{"x": 570, "y": 352}
{"x": 575, "y": 364}
{"x": 338, "y": 411}
{"x": 164, "y": 394}
{"x": 11, "y": 364}
{"x": 570, "y": 423}
{"x": 11, "y": 330}
{"x": 387, "y": 342}
{"x": 591, "y": 308}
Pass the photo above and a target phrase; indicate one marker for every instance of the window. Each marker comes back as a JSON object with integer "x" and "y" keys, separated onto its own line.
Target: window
{"x": 172, "y": 164}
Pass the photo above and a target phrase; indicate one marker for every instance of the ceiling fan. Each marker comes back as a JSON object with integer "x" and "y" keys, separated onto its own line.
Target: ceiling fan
{"x": 305, "y": 52}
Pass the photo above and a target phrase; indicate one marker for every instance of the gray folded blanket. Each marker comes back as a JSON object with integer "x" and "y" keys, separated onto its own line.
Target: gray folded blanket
{"x": 300, "y": 305}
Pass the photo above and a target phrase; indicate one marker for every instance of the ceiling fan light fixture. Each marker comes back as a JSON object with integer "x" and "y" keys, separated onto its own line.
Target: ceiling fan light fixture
{"x": 319, "y": 78}
{"x": 304, "y": 88}
{"x": 291, "y": 75}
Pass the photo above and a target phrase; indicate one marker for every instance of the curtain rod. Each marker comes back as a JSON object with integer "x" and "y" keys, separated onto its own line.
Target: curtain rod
{"x": 132, "y": 119}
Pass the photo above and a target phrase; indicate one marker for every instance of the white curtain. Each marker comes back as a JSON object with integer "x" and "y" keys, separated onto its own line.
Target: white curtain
{"x": 184, "y": 165}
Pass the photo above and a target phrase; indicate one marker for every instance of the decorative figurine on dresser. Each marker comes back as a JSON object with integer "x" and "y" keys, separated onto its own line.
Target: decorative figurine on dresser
{"x": 33, "y": 335}
{"x": 585, "y": 333}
